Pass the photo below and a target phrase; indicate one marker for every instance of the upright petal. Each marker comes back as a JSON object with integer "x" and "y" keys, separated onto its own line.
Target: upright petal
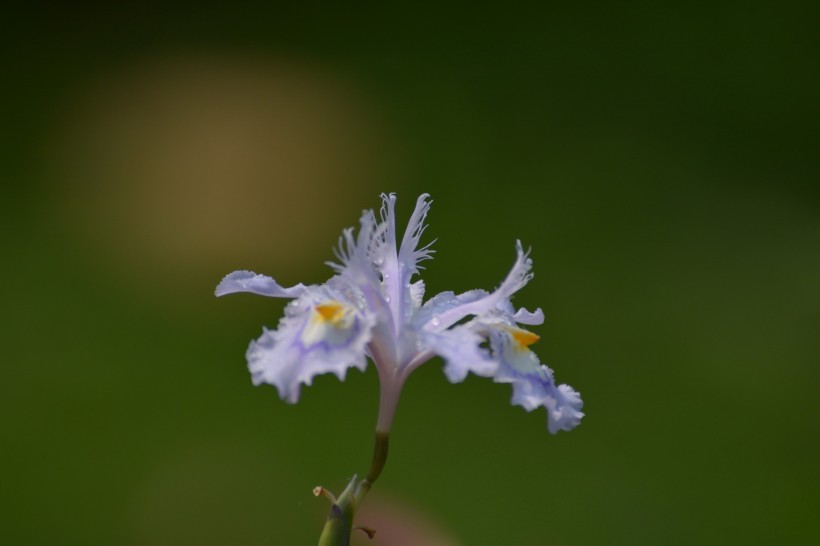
{"x": 356, "y": 267}
{"x": 386, "y": 259}
{"x": 516, "y": 279}
{"x": 410, "y": 254}
{"x": 398, "y": 265}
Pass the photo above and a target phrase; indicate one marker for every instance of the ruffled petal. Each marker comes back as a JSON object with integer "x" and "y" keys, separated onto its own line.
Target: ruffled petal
{"x": 521, "y": 316}
{"x": 532, "y": 318}
{"x": 564, "y": 409}
{"x": 533, "y": 383}
{"x": 320, "y": 333}
{"x": 248, "y": 281}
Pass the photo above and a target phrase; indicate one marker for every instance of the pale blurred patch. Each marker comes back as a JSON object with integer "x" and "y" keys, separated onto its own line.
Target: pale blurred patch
{"x": 399, "y": 523}
{"x": 188, "y": 167}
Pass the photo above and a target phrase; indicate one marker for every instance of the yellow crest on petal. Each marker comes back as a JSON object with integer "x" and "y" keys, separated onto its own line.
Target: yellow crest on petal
{"x": 331, "y": 312}
{"x": 522, "y": 338}
{"x": 330, "y": 321}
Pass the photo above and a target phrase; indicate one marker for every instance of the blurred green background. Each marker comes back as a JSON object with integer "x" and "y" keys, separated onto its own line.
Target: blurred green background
{"x": 661, "y": 161}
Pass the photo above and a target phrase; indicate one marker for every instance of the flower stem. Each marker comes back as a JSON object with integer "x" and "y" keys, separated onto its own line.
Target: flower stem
{"x": 379, "y": 456}
{"x": 339, "y": 523}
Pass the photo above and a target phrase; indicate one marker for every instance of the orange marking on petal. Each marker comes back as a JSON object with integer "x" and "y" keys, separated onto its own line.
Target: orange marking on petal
{"x": 524, "y": 338}
{"x": 331, "y": 312}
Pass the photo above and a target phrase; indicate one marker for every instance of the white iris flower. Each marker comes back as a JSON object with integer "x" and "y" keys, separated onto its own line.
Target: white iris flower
{"x": 372, "y": 308}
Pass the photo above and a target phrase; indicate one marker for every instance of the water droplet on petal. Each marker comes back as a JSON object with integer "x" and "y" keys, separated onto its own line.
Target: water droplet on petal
{"x": 435, "y": 321}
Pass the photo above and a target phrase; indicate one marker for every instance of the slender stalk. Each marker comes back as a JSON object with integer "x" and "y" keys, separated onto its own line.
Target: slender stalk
{"x": 339, "y": 522}
{"x": 376, "y": 465}
{"x": 379, "y": 456}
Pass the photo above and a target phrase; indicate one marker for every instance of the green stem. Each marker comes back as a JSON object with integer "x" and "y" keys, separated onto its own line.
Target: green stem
{"x": 339, "y": 523}
{"x": 379, "y": 456}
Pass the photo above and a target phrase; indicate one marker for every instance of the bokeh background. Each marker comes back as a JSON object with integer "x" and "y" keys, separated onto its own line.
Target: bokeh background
{"x": 660, "y": 160}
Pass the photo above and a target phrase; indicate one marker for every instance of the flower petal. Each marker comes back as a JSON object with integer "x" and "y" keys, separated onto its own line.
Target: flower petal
{"x": 385, "y": 256}
{"x": 398, "y": 265}
{"x": 410, "y": 254}
{"x": 356, "y": 269}
{"x": 518, "y": 276}
{"x": 522, "y": 316}
{"x": 320, "y": 333}
{"x": 429, "y": 316}
{"x": 533, "y": 383}
{"x": 248, "y": 281}
{"x": 460, "y": 347}
{"x": 417, "y": 295}
{"x": 533, "y": 318}
{"x": 564, "y": 409}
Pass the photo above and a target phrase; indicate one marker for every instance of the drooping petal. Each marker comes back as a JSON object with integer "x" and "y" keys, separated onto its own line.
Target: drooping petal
{"x": 248, "y": 281}
{"x": 460, "y": 347}
{"x": 320, "y": 333}
{"x": 533, "y": 383}
{"x": 564, "y": 409}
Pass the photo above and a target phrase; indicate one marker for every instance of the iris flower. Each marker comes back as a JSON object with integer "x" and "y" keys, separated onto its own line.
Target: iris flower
{"x": 373, "y": 307}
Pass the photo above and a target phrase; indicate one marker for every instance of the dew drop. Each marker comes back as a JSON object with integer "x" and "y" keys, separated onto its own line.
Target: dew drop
{"x": 435, "y": 321}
